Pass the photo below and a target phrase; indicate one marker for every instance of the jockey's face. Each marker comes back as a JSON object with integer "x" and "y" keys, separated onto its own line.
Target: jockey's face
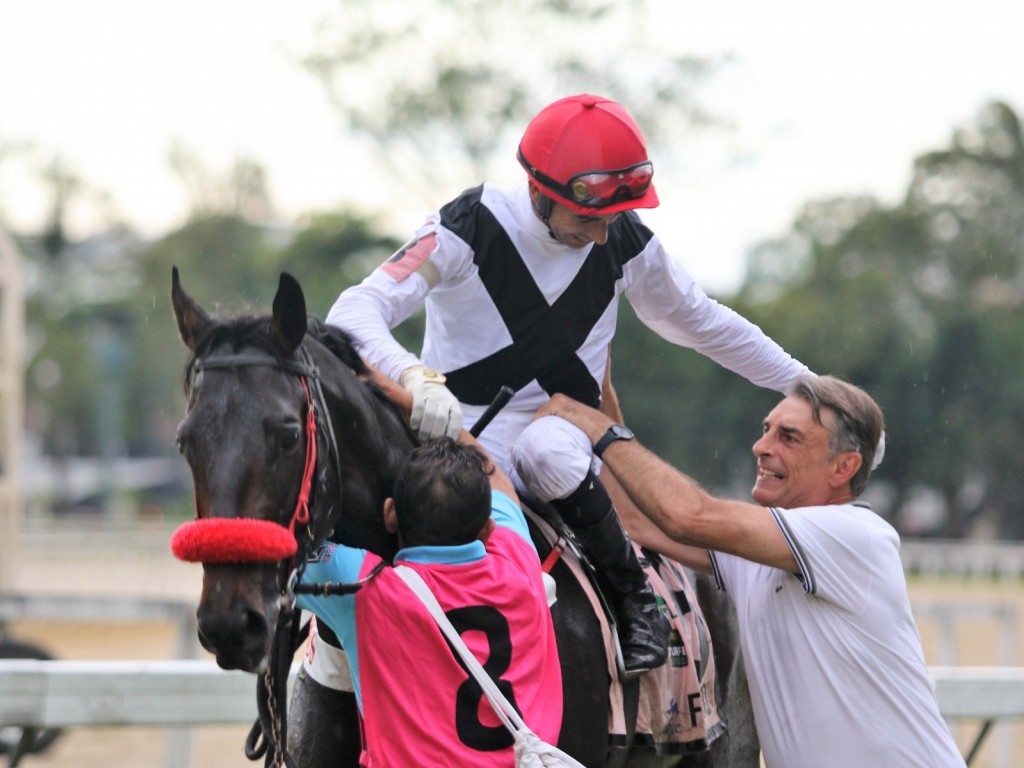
{"x": 573, "y": 229}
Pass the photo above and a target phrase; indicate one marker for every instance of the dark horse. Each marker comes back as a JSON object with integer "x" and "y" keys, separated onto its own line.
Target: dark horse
{"x": 248, "y": 382}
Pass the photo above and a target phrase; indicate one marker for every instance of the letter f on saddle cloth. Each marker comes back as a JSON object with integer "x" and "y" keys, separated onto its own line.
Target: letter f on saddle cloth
{"x": 521, "y": 289}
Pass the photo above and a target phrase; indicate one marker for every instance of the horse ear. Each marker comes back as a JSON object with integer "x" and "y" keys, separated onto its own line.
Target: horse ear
{"x": 192, "y": 319}
{"x": 289, "y": 322}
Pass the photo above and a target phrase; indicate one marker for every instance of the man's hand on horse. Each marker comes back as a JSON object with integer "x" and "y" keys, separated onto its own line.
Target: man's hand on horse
{"x": 391, "y": 389}
{"x": 435, "y": 410}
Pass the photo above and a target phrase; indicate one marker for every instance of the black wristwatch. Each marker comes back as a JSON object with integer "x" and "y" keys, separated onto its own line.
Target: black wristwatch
{"x": 615, "y": 432}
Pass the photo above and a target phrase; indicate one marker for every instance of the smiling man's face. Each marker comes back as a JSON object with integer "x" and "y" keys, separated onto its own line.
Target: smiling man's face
{"x": 793, "y": 464}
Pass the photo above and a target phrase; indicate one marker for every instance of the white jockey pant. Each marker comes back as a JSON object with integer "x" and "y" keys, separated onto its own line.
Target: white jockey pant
{"x": 325, "y": 663}
{"x": 551, "y": 458}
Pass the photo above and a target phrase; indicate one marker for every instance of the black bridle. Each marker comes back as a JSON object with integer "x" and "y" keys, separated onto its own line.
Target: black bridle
{"x": 315, "y": 402}
{"x": 268, "y": 736}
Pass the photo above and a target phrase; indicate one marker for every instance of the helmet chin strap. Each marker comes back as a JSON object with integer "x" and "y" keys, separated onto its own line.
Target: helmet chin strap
{"x": 543, "y": 207}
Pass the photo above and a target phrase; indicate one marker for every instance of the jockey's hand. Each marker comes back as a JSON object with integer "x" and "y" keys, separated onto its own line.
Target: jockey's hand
{"x": 435, "y": 410}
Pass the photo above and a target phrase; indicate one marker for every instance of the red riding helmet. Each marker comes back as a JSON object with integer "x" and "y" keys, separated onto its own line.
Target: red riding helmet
{"x": 588, "y": 153}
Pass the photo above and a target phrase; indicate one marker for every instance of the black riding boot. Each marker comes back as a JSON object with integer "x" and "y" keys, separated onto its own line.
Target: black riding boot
{"x": 643, "y": 629}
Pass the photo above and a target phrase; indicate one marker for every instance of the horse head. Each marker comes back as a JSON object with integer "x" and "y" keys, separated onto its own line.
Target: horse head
{"x": 287, "y": 443}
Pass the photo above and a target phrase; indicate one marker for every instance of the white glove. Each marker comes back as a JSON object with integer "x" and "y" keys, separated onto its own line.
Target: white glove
{"x": 435, "y": 410}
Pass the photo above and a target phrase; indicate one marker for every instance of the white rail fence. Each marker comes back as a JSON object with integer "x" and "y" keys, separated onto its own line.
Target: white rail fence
{"x": 965, "y": 558}
{"x": 166, "y": 693}
{"x": 186, "y": 693}
{"x": 190, "y": 693}
{"x": 72, "y": 608}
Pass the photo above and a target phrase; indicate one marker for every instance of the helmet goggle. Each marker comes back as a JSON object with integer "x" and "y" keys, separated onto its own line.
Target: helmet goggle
{"x": 597, "y": 189}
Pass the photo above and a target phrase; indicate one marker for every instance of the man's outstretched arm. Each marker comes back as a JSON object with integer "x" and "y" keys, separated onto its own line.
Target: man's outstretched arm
{"x": 677, "y": 504}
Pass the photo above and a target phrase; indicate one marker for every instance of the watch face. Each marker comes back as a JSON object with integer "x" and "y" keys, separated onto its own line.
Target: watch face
{"x": 615, "y": 432}
{"x": 621, "y": 432}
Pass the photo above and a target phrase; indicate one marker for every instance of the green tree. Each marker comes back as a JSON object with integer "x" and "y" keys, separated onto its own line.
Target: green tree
{"x": 331, "y": 251}
{"x": 231, "y": 266}
{"x": 686, "y": 408}
{"x": 225, "y": 261}
{"x": 921, "y": 304}
{"x": 75, "y": 319}
{"x": 436, "y": 89}
{"x": 335, "y": 250}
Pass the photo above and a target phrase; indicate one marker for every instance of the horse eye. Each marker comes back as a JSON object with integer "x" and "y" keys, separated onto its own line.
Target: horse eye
{"x": 185, "y": 449}
{"x": 183, "y": 438}
{"x": 290, "y": 438}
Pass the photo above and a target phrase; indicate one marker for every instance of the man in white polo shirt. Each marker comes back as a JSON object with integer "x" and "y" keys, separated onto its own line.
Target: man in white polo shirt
{"x": 837, "y": 674}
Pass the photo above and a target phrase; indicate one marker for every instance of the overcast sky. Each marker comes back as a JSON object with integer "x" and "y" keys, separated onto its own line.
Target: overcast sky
{"x": 827, "y": 98}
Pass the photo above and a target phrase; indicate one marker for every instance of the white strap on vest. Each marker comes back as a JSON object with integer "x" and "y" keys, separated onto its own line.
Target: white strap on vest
{"x": 505, "y": 711}
{"x": 501, "y": 705}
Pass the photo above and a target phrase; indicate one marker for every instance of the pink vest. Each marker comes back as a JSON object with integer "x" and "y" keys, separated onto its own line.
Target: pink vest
{"x": 420, "y": 707}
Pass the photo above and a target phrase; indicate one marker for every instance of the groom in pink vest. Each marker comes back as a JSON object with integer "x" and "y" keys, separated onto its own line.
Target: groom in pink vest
{"x": 459, "y": 525}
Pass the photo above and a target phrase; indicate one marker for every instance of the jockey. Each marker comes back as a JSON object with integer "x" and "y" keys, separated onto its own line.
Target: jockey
{"x": 521, "y": 288}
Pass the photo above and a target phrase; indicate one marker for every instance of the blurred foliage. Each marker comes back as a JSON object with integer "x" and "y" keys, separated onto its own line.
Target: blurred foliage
{"x": 919, "y": 302}
{"x": 242, "y": 190}
{"x": 85, "y": 345}
{"x": 468, "y": 103}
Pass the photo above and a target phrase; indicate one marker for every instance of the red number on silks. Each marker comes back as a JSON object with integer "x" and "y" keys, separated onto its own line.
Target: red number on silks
{"x": 494, "y": 625}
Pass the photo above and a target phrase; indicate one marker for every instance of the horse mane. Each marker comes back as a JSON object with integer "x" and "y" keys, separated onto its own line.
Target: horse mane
{"x": 340, "y": 342}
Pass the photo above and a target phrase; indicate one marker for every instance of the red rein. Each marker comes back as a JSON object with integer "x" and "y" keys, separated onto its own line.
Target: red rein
{"x": 245, "y": 539}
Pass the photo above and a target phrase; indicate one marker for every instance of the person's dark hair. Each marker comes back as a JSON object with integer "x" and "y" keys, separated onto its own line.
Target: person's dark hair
{"x": 442, "y": 494}
{"x": 858, "y": 424}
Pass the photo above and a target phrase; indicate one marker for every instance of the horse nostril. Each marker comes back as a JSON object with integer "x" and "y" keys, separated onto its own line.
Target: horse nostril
{"x": 255, "y": 624}
{"x": 244, "y": 628}
{"x": 205, "y": 641}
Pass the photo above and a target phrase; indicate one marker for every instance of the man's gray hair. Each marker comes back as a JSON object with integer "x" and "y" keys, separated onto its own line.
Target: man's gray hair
{"x": 858, "y": 425}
